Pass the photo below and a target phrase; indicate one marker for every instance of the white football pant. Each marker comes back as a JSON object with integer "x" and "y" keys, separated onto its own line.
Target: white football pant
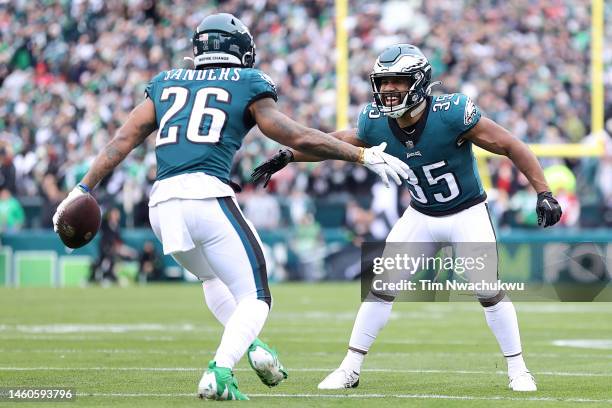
{"x": 211, "y": 238}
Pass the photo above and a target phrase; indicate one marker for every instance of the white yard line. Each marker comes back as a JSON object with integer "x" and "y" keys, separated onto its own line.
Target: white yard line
{"x": 601, "y": 344}
{"x": 368, "y": 396}
{"x": 151, "y": 337}
{"x": 128, "y": 328}
{"x": 82, "y": 332}
{"x": 297, "y": 353}
{"x": 63, "y": 337}
{"x": 324, "y": 370}
{"x": 111, "y": 351}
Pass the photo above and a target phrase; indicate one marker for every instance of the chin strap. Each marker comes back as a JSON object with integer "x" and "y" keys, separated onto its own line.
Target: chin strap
{"x": 430, "y": 86}
{"x": 422, "y": 105}
{"x": 418, "y": 109}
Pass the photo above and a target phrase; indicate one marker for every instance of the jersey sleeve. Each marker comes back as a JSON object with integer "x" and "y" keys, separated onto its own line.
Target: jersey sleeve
{"x": 462, "y": 115}
{"x": 364, "y": 124}
{"x": 260, "y": 86}
{"x": 152, "y": 85}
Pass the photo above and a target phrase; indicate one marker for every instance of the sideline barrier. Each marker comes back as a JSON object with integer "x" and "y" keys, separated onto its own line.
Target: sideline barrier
{"x": 33, "y": 258}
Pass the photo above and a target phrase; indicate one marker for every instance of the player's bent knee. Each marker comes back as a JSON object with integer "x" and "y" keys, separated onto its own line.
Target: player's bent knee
{"x": 268, "y": 300}
{"x": 493, "y": 300}
{"x": 255, "y": 295}
{"x": 379, "y": 297}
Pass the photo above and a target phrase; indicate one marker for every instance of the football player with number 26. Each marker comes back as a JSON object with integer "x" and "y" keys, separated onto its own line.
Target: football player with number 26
{"x": 200, "y": 117}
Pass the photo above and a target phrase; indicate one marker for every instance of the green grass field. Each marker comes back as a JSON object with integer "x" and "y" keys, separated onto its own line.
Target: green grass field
{"x": 147, "y": 346}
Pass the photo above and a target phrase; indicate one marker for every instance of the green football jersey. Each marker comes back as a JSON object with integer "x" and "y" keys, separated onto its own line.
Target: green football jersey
{"x": 443, "y": 174}
{"x": 202, "y": 117}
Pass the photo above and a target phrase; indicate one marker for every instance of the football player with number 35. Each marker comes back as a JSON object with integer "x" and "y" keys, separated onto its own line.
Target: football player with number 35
{"x": 434, "y": 136}
{"x": 201, "y": 117}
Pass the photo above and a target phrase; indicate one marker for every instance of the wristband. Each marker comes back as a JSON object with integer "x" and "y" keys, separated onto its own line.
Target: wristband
{"x": 84, "y": 187}
{"x": 361, "y": 158}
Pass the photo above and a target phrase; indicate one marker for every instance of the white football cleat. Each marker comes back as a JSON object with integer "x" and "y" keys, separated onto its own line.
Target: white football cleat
{"x": 207, "y": 388}
{"x": 219, "y": 383}
{"x": 523, "y": 382}
{"x": 264, "y": 360}
{"x": 340, "y": 379}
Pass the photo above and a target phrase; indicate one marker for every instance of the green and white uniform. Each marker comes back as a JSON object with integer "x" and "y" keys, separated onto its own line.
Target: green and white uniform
{"x": 202, "y": 117}
{"x": 444, "y": 178}
{"x": 448, "y": 200}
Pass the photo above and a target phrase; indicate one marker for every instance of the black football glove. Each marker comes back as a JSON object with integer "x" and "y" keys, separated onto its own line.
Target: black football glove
{"x": 268, "y": 168}
{"x": 548, "y": 209}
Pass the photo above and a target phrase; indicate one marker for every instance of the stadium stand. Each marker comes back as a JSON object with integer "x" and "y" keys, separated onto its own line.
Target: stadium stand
{"x": 71, "y": 71}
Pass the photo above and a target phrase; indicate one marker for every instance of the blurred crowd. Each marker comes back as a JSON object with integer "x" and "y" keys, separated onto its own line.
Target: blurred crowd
{"x": 70, "y": 71}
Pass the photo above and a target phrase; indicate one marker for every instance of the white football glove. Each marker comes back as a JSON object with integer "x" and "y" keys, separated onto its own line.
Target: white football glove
{"x": 76, "y": 192}
{"x": 385, "y": 165}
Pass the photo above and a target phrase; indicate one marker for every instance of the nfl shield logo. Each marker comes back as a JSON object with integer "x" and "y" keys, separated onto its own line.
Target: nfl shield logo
{"x": 409, "y": 144}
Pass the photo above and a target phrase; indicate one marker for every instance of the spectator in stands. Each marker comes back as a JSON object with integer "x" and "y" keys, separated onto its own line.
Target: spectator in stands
{"x": 309, "y": 245}
{"x": 70, "y": 71}
{"x": 111, "y": 248}
{"x": 51, "y": 196}
{"x": 521, "y": 205}
{"x": 360, "y": 222}
{"x": 262, "y": 210}
{"x": 12, "y": 215}
{"x": 7, "y": 169}
{"x": 150, "y": 265}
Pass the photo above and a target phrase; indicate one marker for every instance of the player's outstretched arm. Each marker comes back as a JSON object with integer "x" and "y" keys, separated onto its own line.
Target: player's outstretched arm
{"x": 284, "y": 130}
{"x": 281, "y": 159}
{"x": 288, "y": 132}
{"x": 140, "y": 123}
{"x": 494, "y": 138}
{"x": 349, "y": 136}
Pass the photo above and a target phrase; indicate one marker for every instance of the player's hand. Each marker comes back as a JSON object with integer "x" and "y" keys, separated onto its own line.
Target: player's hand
{"x": 548, "y": 209}
{"x": 76, "y": 192}
{"x": 385, "y": 165}
{"x": 269, "y": 167}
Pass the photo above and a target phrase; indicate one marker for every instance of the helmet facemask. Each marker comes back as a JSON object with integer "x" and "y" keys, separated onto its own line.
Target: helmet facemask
{"x": 395, "y": 103}
{"x": 404, "y": 61}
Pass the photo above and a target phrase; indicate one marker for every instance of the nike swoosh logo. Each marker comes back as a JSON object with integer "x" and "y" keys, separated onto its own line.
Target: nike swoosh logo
{"x": 547, "y": 203}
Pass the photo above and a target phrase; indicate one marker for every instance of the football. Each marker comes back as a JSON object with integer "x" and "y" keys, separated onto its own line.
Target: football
{"x": 79, "y": 222}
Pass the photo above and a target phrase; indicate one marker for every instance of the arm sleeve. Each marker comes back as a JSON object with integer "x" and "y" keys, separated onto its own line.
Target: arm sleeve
{"x": 363, "y": 125}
